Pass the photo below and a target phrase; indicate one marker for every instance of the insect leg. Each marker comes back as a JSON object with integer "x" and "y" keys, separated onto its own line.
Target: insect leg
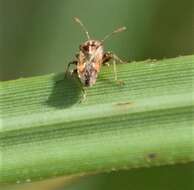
{"x": 84, "y": 94}
{"x": 69, "y": 64}
{"x": 116, "y": 58}
{"x": 111, "y": 56}
{"x": 115, "y": 69}
{"x": 83, "y": 91}
{"x": 106, "y": 58}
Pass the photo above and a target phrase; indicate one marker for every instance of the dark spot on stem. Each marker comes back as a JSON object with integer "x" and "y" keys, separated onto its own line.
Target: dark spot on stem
{"x": 152, "y": 156}
{"x": 124, "y": 104}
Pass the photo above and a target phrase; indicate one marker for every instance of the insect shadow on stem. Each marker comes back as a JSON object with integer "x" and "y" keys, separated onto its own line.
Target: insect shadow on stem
{"x": 65, "y": 92}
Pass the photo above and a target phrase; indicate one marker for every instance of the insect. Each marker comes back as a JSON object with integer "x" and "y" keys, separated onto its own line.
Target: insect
{"x": 92, "y": 56}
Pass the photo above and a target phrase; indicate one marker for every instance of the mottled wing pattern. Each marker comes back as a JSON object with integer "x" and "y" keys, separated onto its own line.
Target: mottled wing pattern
{"x": 89, "y": 62}
{"x": 81, "y": 62}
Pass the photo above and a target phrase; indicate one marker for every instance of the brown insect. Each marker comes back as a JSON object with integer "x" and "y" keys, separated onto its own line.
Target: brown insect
{"x": 91, "y": 56}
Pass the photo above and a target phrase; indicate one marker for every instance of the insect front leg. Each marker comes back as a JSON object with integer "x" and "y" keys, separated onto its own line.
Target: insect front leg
{"x": 111, "y": 56}
{"x": 68, "y": 66}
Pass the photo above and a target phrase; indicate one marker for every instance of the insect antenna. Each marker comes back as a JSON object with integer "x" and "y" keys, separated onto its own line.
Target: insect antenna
{"x": 114, "y": 32}
{"x": 83, "y": 27}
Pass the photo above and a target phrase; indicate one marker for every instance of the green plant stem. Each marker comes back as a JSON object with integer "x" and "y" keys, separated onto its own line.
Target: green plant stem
{"x": 145, "y": 120}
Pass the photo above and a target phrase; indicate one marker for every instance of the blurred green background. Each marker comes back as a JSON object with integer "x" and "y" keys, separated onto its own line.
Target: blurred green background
{"x": 40, "y": 36}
